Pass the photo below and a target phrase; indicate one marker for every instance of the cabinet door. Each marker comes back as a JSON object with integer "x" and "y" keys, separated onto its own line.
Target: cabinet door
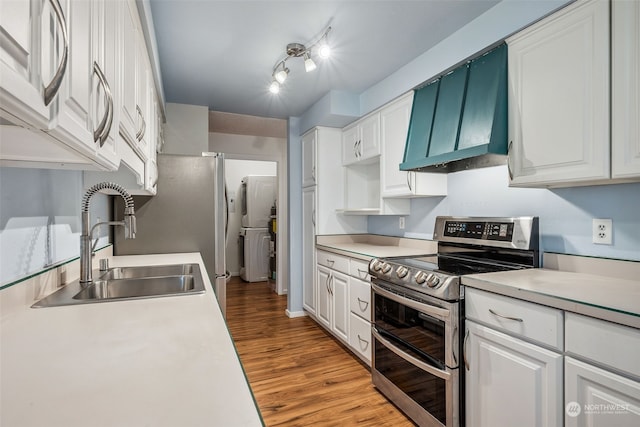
{"x": 360, "y": 337}
{"x": 625, "y": 87}
{"x": 127, "y": 93}
{"x": 323, "y": 310}
{"x": 308, "y": 249}
{"x": 338, "y": 285}
{"x": 369, "y": 146}
{"x": 595, "y": 397}
{"x": 73, "y": 123}
{"x": 106, "y": 31}
{"x": 559, "y": 98}
{"x": 143, "y": 93}
{"x": 394, "y": 124}
{"x": 21, "y": 56}
{"x": 309, "y": 142}
{"x": 351, "y": 145}
{"x": 510, "y": 382}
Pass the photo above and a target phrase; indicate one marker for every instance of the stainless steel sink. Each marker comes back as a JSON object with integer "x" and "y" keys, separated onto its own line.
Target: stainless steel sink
{"x": 148, "y": 271}
{"x": 125, "y": 283}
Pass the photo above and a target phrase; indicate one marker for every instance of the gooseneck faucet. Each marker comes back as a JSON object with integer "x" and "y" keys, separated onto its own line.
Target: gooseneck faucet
{"x": 129, "y": 224}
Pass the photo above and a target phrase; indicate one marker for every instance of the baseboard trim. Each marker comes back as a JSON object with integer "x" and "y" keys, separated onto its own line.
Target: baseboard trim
{"x": 292, "y": 314}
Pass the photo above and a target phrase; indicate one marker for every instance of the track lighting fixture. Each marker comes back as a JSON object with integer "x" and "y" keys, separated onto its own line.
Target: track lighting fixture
{"x": 297, "y": 50}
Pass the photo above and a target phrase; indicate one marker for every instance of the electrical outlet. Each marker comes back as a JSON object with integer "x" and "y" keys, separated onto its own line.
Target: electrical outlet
{"x": 602, "y": 231}
{"x": 401, "y": 223}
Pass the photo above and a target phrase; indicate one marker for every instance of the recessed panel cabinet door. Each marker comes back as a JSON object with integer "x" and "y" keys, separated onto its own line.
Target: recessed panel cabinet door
{"x": 309, "y": 141}
{"x": 625, "y": 86}
{"x": 603, "y": 398}
{"x": 339, "y": 285}
{"x": 73, "y": 122}
{"x": 323, "y": 310}
{"x": 22, "y": 56}
{"x": 559, "y": 98}
{"x": 309, "y": 293}
{"x": 510, "y": 382}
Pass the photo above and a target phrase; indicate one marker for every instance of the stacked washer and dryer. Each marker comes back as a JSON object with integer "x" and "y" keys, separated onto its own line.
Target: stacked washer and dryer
{"x": 258, "y": 194}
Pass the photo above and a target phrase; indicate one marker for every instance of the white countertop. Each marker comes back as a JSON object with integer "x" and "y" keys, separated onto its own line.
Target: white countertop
{"x": 612, "y": 299}
{"x": 367, "y": 246}
{"x": 166, "y": 361}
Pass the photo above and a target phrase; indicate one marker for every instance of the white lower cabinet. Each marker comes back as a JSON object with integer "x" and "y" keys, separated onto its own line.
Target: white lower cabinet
{"x": 510, "y": 382}
{"x": 332, "y": 308}
{"x": 360, "y": 337}
{"x": 586, "y": 377}
{"x": 309, "y": 280}
{"x": 343, "y": 301}
{"x": 596, "y": 397}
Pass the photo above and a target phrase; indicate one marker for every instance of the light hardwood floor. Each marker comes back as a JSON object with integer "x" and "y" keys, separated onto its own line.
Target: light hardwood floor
{"x": 299, "y": 374}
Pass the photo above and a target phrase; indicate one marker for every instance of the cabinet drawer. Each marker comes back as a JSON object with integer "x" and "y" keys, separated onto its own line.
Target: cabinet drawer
{"x": 360, "y": 298}
{"x": 360, "y": 337}
{"x": 333, "y": 261}
{"x": 603, "y": 342}
{"x": 523, "y": 319}
{"x": 359, "y": 269}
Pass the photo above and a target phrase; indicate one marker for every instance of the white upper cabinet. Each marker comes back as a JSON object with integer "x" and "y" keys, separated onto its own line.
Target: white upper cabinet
{"x": 394, "y": 125}
{"x": 559, "y": 98}
{"x": 625, "y": 89}
{"x": 309, "y": 159}
{"x": 361, "y": 140}
{"x": 70, "y": 87}
{"x": 73, "y": 123}
{"x": 107, "y": 29}
{"x": 21, "y": 59}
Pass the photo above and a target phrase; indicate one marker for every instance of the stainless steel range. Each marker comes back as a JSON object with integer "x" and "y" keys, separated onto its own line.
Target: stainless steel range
{"x": 418, "y": 314}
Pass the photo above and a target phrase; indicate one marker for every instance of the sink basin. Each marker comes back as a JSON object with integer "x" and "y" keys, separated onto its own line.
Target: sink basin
{"x": 125, "y": 283}
{"x": 148, "y": 271}
{"x": 137, "y": 288}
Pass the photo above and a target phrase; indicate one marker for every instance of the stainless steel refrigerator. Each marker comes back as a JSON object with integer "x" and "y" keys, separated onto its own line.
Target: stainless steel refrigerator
{"x": 188, "y": 214}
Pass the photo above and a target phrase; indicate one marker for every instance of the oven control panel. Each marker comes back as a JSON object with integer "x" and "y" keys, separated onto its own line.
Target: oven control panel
{"x": 501, "y": 231}
{"x": 515, "y": 233}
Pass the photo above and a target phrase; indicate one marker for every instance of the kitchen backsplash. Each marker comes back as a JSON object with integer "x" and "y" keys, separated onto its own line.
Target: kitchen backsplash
{"x": 40, "y": 219}
{"x": 565, "y": 214}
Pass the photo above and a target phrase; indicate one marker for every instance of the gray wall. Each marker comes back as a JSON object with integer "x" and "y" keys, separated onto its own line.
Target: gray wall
{"x": 40, "y": 219}
{"x": 187, "y": 129}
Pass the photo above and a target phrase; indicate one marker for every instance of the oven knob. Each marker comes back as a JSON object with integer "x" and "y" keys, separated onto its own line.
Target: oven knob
{"x": 402, "y": 272}
{"x": 420, "y": 277}
{"x": 386, "y": 268}
{"x": 433, "y": 280}
{"x": 377, "y": 265}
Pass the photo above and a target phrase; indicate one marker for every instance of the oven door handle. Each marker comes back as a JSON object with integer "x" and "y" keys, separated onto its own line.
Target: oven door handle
{"x": 437, "y": 312}
{"x": 414, "y": 361}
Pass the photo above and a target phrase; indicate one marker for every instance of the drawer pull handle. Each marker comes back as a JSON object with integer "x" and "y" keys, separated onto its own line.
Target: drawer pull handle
{"x": 362, "y": 340}
{"x": 517, "y": 319}
{"x": 330, "y": 261}
{"x": 366, "y": 304}
{"x": 363, "y": 273}
{"x": 464, "y": 350}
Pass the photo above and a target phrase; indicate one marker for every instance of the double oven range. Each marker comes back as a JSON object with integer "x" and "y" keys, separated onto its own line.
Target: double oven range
{"x": 419, "y": 314}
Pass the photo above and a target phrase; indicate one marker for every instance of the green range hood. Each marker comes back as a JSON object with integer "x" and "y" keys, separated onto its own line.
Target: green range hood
{"x": 459, "y": 120}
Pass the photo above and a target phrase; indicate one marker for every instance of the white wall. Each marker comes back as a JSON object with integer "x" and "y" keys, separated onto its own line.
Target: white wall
{"x": 249, "y": 147}
{"x": 565, "y": 214}
{"x": 234, "y": 171}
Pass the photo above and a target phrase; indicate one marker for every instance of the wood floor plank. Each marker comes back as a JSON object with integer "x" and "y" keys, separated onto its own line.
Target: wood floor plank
{"x": 300, "y": 375}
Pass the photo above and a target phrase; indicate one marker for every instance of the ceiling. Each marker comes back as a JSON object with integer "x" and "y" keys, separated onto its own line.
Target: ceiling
{"x": 221, "y": 53}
